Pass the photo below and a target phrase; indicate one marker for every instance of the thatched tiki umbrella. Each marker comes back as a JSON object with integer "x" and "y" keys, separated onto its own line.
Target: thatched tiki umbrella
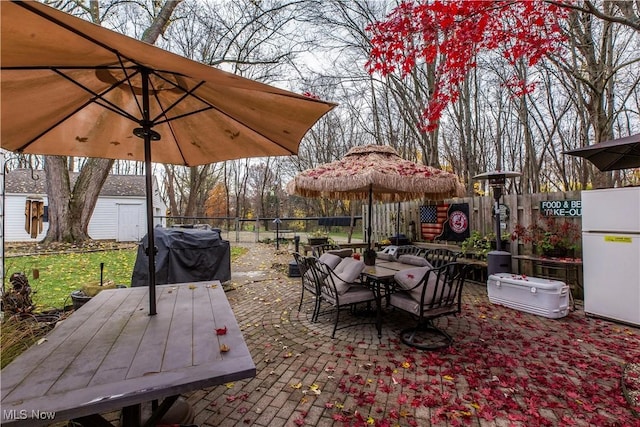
{"x": 375, "y": 172}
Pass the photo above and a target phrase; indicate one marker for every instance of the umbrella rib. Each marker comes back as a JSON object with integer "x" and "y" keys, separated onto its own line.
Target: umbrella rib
{"x": 100, "y": 97}
{"x": 94, "y": 100}
{"x": 164, "y": 111}
{"x": 192, "y": 93}
{"x": 167, "y": 120}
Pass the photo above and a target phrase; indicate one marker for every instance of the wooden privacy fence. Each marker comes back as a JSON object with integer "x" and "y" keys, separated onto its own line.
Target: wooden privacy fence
{"x": 523, "y": 209}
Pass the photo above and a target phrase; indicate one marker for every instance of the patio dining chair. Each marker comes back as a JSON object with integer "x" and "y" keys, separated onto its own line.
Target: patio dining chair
{"x": 409, "y": 250}
{"x": 428, "y": 294}
{"x": 341, "y": 288}
{"x": 308, "y": 283}
{"x": 440, "y": 256}
{"x": 308, "y": 279}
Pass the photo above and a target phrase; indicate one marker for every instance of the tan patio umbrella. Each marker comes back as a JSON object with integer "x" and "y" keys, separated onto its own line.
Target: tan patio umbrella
{"x": 73, "y": 88}
{"x": 375, "y": 172}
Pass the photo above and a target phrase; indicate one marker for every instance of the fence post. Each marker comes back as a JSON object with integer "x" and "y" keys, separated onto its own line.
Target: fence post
{"x": 237, "y": 225}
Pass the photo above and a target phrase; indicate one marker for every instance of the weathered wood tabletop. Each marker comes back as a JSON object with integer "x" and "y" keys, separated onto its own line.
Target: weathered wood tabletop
{"x": 111, "y": 354}
{"x": 394, "y": 265}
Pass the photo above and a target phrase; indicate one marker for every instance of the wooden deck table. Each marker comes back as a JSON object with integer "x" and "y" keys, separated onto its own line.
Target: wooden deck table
{"x": 110, "y": 354}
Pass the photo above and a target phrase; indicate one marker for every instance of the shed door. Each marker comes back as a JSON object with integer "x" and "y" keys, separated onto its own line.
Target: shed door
{"x": 128, "y": 223}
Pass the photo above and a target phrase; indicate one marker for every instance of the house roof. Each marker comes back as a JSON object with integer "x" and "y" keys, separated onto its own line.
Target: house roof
{"x": 26, "y": 181}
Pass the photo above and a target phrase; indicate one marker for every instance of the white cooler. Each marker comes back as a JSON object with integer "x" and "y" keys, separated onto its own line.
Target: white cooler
{"x": 548, "y": 298}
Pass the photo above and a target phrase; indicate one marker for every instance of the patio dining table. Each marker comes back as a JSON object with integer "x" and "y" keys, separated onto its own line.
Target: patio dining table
{"x": 111, "y": 354}
{"x": 379, "y": 278}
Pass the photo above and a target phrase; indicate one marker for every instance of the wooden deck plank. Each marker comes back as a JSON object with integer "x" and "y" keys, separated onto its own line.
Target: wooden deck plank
{"x": 148, "y": 358}
{"x": 179, "y": 350}
{"x": 89, "y": 360}
{"x": 63, "y": 349}
{"x": 207, "y": 350}
{"x": 119, "y": 358}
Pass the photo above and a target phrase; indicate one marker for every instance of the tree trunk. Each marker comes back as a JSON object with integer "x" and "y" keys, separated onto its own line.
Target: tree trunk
{"x": 70, "y": 210}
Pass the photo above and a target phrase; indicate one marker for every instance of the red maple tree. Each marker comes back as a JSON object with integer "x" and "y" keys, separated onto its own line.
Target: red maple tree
{"x": 452, "y": 33}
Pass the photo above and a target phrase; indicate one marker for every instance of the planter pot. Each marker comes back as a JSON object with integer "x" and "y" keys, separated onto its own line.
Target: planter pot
{"x": 399, "y": 240}
{"x": 79, "y": 299}
{"x": 370, "y": 257}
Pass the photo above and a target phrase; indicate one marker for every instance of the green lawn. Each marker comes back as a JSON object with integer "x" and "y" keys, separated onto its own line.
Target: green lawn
{"x": 61, "y": 274}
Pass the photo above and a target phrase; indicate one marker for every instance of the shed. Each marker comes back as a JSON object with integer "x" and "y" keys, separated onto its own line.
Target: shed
{"x": 119, "y": 214}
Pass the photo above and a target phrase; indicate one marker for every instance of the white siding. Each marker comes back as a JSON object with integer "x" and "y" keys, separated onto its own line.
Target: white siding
{"x": 103, "y": 224}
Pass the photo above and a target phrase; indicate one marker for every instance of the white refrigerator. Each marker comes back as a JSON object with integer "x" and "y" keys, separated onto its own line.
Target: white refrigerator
{"x": 611, "y": 253}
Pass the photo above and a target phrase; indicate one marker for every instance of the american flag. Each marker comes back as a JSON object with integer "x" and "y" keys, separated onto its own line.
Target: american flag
{"x": 432, "y": 219}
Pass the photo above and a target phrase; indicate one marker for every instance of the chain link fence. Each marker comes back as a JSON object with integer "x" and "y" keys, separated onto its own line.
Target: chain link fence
{"x": 253, "y": 230}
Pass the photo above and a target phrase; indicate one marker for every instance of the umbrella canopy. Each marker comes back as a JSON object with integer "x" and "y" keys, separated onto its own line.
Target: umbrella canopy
{"x": 621, "y": 153}
{"x": 375, "y": 172}
{"x": 70, "y": 87}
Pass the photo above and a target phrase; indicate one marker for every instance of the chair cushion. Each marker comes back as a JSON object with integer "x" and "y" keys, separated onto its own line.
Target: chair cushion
{"x": 404, "y": 301}
{"x": 330, "y": 259}
{"x": 343, "y": 264}
{"x": 407, "y": 279}
{"x": 342, "y": 253}
{"x": 414, "y": 260}
{"x": 351, "y": 272}
{"x": 385, "y": 256}
{"x": 355, "y": 294}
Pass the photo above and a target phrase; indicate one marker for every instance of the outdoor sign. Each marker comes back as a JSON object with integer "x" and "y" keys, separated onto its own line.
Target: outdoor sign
{"x": 445, "y": 222}
{"x": 504, "y": 212}
{"x": 561, "y": 208}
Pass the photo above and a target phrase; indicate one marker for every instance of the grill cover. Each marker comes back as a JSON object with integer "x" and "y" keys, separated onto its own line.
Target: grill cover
{"x": 184, "y": 255}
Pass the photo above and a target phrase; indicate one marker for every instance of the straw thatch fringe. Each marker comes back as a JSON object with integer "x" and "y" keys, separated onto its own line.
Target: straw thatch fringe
{"x": 378, "y": 169}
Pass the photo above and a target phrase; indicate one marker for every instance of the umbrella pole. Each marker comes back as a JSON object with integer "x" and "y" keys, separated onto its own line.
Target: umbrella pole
{"x": 148, "y": 135}
{"x": 151, "y": 243}
{"x": 398, "y": 223}
{"x": 370, "y": 215}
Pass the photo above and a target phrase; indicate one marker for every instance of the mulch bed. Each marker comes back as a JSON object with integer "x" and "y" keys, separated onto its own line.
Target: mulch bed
{"x": 29, "y": 248}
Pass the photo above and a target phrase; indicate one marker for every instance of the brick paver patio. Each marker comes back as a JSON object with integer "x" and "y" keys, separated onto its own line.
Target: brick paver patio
{"x": 505, "y": 368}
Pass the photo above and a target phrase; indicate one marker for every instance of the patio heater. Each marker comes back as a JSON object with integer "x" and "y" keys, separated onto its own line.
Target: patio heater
{"x": 498, "y": 261}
